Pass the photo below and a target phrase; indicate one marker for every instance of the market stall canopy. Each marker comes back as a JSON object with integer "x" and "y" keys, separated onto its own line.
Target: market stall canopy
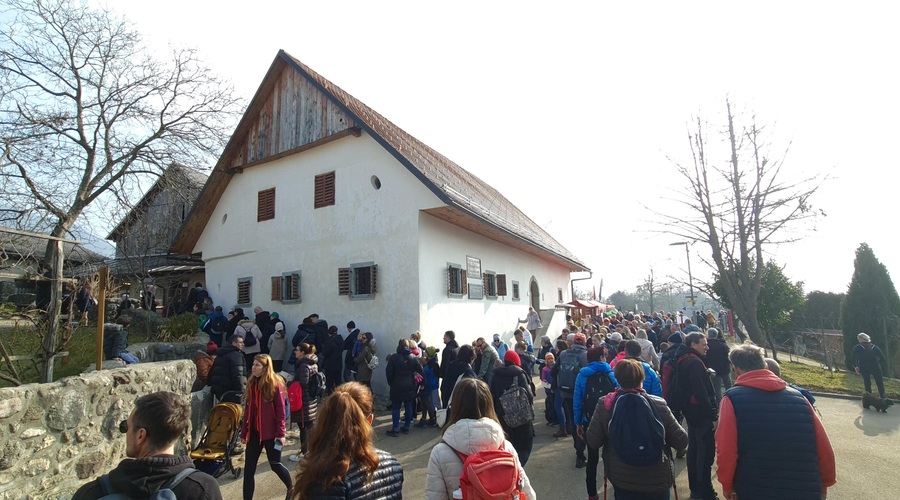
{"x": 591, "y": 304}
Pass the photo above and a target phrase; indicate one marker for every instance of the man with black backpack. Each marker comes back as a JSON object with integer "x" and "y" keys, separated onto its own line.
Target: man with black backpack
{"x": 571, "y": 361}
{"x": 152, "y": 469}
{"x": 693, "y": 395}
{"x": 594, "y": 381}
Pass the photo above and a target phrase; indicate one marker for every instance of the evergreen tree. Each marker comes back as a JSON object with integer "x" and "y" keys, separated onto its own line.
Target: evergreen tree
{"x": 871, "y": 300}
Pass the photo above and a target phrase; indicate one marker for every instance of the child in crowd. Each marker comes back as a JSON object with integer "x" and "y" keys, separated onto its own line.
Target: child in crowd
{"x": 547, "y": 384}
{"x": 527, "y": 360}
{"x": 428, "y": 398}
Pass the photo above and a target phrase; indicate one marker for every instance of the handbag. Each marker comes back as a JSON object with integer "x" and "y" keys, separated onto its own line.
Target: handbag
{"x": 441, "y": 416}
{"x": 373, "y": 363}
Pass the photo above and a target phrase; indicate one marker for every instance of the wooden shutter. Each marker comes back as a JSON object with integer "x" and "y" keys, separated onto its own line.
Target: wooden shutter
{"x": 324, "y": 190}
{"x": 344, "y": 281}
{"x": 501, "y": 285}
{"x": 276, "y": 287}
{"x": 374, "y": 275}
{"x": 295, "y": 287}
{"x": 243, "y": 292}
{"x": 463, "y": 276}
{"x": 449, "y": 280}
{"x": 265, "y": 205}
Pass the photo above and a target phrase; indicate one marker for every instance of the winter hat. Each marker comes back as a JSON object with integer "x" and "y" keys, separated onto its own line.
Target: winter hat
{"x": 211, "y": 347}
{"x": 279, "y": 327}
{"x": 862, "y": 337}
{"x": 675, "y": 338}
{"x": 580, "y": 338}
{"x": 615, "y": 336}
{"x": 496, "y": 336}
{"x": 274, "y": 315}
{"x": 549, "y": 356}
{"x": 512, "y": 357}
{"x": 432, "y": 351}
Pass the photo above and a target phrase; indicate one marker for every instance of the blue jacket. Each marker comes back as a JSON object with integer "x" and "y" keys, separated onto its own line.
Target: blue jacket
{"x": 592, "y": 368}
{"x": 651, "y": 380}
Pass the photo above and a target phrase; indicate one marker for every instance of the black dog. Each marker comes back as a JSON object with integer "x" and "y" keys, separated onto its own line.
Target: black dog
{"x": 876, "y": 402}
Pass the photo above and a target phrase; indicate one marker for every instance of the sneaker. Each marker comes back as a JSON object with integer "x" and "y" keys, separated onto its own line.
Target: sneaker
{"x": 561, "y": 433}
{"x": 432, "y": 423}
{"x": 580, "y": 463}
{"x": 421, "y": 423}
{"x": 552, "y": 424}
{"x": 404, "y": 430}
{"x": 393, "y": 433}
{"x": 295, "y": 458}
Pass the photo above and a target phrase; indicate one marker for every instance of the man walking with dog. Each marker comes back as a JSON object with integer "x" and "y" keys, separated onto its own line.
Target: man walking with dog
{"x": 867, "y": 360}
{"x": 770, "y": 442}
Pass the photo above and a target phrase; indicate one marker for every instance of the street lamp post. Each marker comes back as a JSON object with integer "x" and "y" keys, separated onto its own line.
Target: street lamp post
{"x": 687, "y": 253}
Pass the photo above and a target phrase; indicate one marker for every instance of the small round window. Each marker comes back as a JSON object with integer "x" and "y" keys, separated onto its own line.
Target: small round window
{"x": 376, "y": 182}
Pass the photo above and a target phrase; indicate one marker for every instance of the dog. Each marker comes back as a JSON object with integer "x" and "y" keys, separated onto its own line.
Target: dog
{"x": 876, "y": 402}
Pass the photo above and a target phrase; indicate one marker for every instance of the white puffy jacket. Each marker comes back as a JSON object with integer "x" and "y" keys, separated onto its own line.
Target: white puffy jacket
{"x": 468, "y": 436}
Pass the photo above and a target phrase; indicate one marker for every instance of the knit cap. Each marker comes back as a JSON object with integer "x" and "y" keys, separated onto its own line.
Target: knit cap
{"x": 512, "y": 357}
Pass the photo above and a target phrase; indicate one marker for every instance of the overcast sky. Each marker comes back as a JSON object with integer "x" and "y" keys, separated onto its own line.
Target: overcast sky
{"x": 571, "y": 109}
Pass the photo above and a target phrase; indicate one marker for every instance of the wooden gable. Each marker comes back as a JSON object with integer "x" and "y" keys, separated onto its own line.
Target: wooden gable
{"x": 291, "y": 116}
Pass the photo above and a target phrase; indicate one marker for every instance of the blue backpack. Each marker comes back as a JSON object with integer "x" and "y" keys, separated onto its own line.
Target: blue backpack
{"x": 636, "y": 433}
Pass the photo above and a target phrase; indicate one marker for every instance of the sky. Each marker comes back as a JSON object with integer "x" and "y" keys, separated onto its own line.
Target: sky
{"x": 576, "y": 111}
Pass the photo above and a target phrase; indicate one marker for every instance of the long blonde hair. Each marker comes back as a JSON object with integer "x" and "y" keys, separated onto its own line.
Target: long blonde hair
{"x": 267, "y": 383}
{"x": 471, "y": 399}
{"x": 342, "y": 436}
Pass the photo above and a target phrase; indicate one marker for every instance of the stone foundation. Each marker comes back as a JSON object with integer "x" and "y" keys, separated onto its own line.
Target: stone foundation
{"x": 56, "y": 437}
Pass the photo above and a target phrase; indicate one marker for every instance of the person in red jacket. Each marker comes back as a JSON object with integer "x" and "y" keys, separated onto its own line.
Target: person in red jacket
{"x": 263, "y": 426}
{"x": 770, "y": 442}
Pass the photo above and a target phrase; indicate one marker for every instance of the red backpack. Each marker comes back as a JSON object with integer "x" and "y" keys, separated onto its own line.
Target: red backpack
{"x": 489, "y": 475}
{"x": 295, "y": 396}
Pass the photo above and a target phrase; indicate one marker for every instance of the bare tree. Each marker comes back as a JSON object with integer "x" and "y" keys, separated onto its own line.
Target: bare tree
{"x": 741, "y": 206}
{"x": 85, "y": 110}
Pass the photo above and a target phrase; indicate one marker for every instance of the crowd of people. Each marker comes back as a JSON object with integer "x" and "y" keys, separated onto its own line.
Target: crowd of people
{"x": 633, "y": 391}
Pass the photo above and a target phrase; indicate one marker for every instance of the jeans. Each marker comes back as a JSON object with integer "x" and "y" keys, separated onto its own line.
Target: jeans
{"x": 867, "y": 381}
{"x": 550, "y": 408}
{"x": 129, "y": 359}
{"x": 253, "y": 450}
{"x": 558, "y": 407}
{"x": 426, "y": 401}
{"x": 395, "y": 413}
{"x": 593, "y": 460}
{"x": 332, "y": 380}
{"x": 349, "y": 375}
{"x": 721, "y": 383}
{"x": 578, "y": 443}
{"x": 700, "y": 455}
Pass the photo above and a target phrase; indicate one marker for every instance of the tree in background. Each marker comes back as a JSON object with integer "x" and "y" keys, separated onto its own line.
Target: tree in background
{"x": 871, "y": 304}
{"x": 820, "y": 311}
{"x": 740, "y": 202}
{"x": 86, "y": 113}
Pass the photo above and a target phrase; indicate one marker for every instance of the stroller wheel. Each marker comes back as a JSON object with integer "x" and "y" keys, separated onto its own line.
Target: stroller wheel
{"x": 237, "y": 472}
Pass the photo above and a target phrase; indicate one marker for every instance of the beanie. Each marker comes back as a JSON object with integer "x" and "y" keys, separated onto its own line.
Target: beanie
{"x": 549, "y": 356}
{"x": 512, "y": 357}
{"x": 211, "y": 347}
{"x": 580, "y": 338}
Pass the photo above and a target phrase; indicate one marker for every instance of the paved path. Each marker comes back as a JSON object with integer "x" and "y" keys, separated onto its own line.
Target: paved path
{"x": 865, "y": 442}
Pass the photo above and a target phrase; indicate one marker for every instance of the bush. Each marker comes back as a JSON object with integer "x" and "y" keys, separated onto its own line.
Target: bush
{"x": 181, "y": 328}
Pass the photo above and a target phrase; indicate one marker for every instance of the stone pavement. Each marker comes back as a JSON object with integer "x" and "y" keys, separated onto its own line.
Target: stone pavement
{"x": 865, "y": 444}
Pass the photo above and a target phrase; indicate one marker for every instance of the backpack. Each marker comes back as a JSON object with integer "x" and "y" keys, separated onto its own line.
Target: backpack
{"x": 295, "y": 396}
{"x": 219, "y": 325}
{"x": 517, "y": 409}
{"x": 671, "y": 393}
{"x": 163, "y": 493}
{"x": 569, "y": 367}
{"x": 636, "y": 433}
{"x": 249, "y": 338}
{"x": 489, "y": 475}
{"x": 316, "y": 385}
{"x": 598, "y": 385}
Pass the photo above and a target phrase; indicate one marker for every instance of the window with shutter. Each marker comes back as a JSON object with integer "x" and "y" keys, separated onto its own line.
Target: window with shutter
{"x": 515, "y": 290}
{"x": 490, "y": 284}
{"x": 265, "y": 205}
{"x": 324, "y": 195}
{"x": 290, "y": 286}
{"x": 455, "y": 280}
{"x": 244, "y": 292}
{"x": 501, "y": 285}
{"x": 560, "y": 293}
{"x": 359, "y": 281}
{"x": 276, "y": 288}
{"x": 344, "y": 281}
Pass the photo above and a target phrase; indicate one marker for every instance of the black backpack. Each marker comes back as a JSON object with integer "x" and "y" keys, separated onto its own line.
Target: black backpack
{"x": 569, "y": 366}
{"x": 316, "y": 385}
{"x": 672, "y": 393}
{"x": 598, "y": 385}
{"x": 636, "y": 433}
{"x": 219, "y": 325}
{"x": 163, "y": 493}
{"x": 249, "y": 338}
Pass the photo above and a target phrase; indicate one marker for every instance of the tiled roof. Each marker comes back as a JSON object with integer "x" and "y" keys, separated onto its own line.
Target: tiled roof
{"x": 455, "y": 185}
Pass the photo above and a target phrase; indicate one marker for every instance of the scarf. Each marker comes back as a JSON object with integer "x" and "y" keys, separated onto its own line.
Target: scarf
{"x": 610, "y": 398}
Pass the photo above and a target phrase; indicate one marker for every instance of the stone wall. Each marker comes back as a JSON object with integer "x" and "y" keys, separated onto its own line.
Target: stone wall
{"x": 55, "y": 437}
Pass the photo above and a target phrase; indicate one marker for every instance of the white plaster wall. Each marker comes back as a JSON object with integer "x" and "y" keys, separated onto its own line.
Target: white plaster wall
{"x": 364, "y": 225}
{"x": 442, "y": 243}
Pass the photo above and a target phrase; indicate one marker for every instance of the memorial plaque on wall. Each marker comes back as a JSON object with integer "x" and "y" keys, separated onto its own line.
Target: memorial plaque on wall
{"x": 473, "y": 267}
{"x": 476, "y": 291}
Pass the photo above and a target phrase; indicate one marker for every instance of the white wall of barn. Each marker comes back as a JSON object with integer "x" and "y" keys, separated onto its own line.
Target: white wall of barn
{"x": 441, "y": 243}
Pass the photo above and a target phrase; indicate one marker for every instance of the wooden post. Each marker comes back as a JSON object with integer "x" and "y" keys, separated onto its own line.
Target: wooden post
{"x": 101, "y": 314}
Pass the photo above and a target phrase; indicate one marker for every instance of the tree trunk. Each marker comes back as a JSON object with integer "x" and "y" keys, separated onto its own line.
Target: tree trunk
{"x": 55, "y": 260}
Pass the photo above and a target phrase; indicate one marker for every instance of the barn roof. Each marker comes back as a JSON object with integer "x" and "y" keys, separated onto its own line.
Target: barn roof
{"x": 470, "y": 202}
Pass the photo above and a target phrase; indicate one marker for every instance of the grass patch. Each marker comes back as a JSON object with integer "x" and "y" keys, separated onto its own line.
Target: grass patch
{"x": 23, "y": 340}
{"x": 818, "y": 379}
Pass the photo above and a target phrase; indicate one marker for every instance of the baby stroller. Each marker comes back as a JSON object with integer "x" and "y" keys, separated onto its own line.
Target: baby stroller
{"x": 220, "y": 441}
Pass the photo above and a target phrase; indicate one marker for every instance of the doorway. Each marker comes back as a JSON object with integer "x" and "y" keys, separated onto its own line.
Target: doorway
{"x": 535, "y": 295}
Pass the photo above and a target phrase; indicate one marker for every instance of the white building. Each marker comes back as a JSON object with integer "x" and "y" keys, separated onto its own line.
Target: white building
{"x": 318, "y": 204}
